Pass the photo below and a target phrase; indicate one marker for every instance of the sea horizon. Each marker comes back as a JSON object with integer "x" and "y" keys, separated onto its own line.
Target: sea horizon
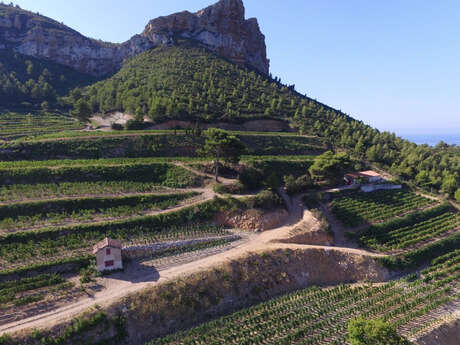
{"x": 431, "y": 138}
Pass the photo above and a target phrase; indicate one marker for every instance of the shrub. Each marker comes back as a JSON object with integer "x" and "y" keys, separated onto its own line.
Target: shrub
{"x": 87, "y": 274}
{"x": 412, "y": 277}
{"x": 235, "y": 188}
{"x": 134, "y": 125}
{"x": 457, "y": 195}
{"x": 251, "y": 178}
{"x": 272, "y": 182}
{"x": 312, "y": 200}
{"x": 117, "y": 127}
{"x": 289, "y": 183}
{"x": 265, "y": 200}
{"x": 373, "y": 332}
{"x": 5, "y": 339}
{"x": 298, "y": 185}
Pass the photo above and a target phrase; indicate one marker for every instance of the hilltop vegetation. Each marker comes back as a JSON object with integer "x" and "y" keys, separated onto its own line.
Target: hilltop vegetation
{"x": 190, "y": 83}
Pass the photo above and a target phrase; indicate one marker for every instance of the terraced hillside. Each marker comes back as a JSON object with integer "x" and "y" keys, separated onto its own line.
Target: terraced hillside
{"x": 15, "y": 125}
{"x": 418, "y": 232}
{"x": 63, "y": 191}
{"x": 43, "y": 230}
{"x": 275, "y": 252}
{"x": 320, "y": 315}
{"x": 357, "y": 208}
{"x": 151, "y": 144}
{"x": 412, "y": 230}
{"x": 163, "y": 209}
{"x": 53, "y": 211}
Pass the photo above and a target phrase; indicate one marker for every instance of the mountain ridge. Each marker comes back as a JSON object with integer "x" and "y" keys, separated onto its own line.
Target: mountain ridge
{"x": 221, "y": 28}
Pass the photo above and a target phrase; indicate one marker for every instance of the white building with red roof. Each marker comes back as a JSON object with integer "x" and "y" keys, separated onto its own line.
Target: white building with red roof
{"x": 360, "y": 177}
{"x": 108, "y": 255}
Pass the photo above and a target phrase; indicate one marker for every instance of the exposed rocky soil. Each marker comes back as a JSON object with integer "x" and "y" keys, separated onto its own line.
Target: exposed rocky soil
{"x": 310, "y": 231}
{"x": 109, "y": 119}
{"x": 253, "y": 220}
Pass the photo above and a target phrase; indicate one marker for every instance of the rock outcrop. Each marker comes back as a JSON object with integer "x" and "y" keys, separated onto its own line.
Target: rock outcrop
{"x": 221, "y": 28}
{"x": 38, "y": 36}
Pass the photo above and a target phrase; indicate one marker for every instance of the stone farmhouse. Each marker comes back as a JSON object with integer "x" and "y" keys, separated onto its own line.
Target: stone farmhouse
{"x": 363, "y": 177}
{"x": 108, "y": 255}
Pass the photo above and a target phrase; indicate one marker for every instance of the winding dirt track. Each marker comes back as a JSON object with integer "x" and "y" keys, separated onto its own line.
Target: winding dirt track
{"x": 119, "y": 285}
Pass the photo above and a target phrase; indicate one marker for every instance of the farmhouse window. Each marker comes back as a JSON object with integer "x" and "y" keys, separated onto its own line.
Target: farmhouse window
{"x": 109, "y": 263}
{"x": 107, "y": 251}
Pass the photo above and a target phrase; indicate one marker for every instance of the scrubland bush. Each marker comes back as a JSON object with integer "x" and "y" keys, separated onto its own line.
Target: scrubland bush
{"x": 298, "y": 185}
{"x": 251, "y": 178}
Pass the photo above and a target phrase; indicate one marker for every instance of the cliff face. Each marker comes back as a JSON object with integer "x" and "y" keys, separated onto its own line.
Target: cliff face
{"x": 221, "y": 27}
{"x": 32, "y": 34}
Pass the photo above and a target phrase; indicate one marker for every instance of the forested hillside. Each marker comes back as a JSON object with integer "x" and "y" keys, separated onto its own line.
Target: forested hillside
{"x": 26, "y": 79}
{"x": 189, "y": 83}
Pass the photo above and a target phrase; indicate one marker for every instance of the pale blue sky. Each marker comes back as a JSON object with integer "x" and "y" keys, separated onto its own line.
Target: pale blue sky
{"x": 394, "y": 64}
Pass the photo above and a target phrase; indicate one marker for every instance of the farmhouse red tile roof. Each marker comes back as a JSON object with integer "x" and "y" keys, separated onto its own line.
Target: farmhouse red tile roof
{"x": 367, "y": 173}
{"x": 106, "y": 242}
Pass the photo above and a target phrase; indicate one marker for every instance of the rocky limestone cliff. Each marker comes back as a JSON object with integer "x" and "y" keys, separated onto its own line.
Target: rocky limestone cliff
{"x": 35, "y": 35}
{"x": 220, "y": 27}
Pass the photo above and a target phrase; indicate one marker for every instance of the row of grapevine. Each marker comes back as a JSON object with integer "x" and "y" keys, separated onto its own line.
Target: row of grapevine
{"x": 165, "y": 174}
{"x": 319, "y": 316}
{"x": 25, "y": 216}
{"x": 407, "y": 236}
{"x": 23, "y": 253}
{"x": 28, "y": 192}
{"x": 357, "y": 208}
{"x": 14, "y": 126}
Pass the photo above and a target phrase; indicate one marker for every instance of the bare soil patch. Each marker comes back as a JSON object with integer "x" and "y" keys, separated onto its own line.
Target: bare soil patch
{"x": 252, "y": 219}
{"x": 310, "y": 231}
{"x": 108, "y": 119}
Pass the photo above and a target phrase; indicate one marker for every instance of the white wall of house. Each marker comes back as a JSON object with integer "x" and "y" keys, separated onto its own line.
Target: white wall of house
{"x": 109, "y": 259}
{"x": 374, "y": 187}
{"x": 373, "y": 179}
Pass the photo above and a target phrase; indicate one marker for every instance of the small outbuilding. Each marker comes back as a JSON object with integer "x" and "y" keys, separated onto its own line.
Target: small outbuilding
{"x": 363, "y": 177}
{"x": 108, "y": 255}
